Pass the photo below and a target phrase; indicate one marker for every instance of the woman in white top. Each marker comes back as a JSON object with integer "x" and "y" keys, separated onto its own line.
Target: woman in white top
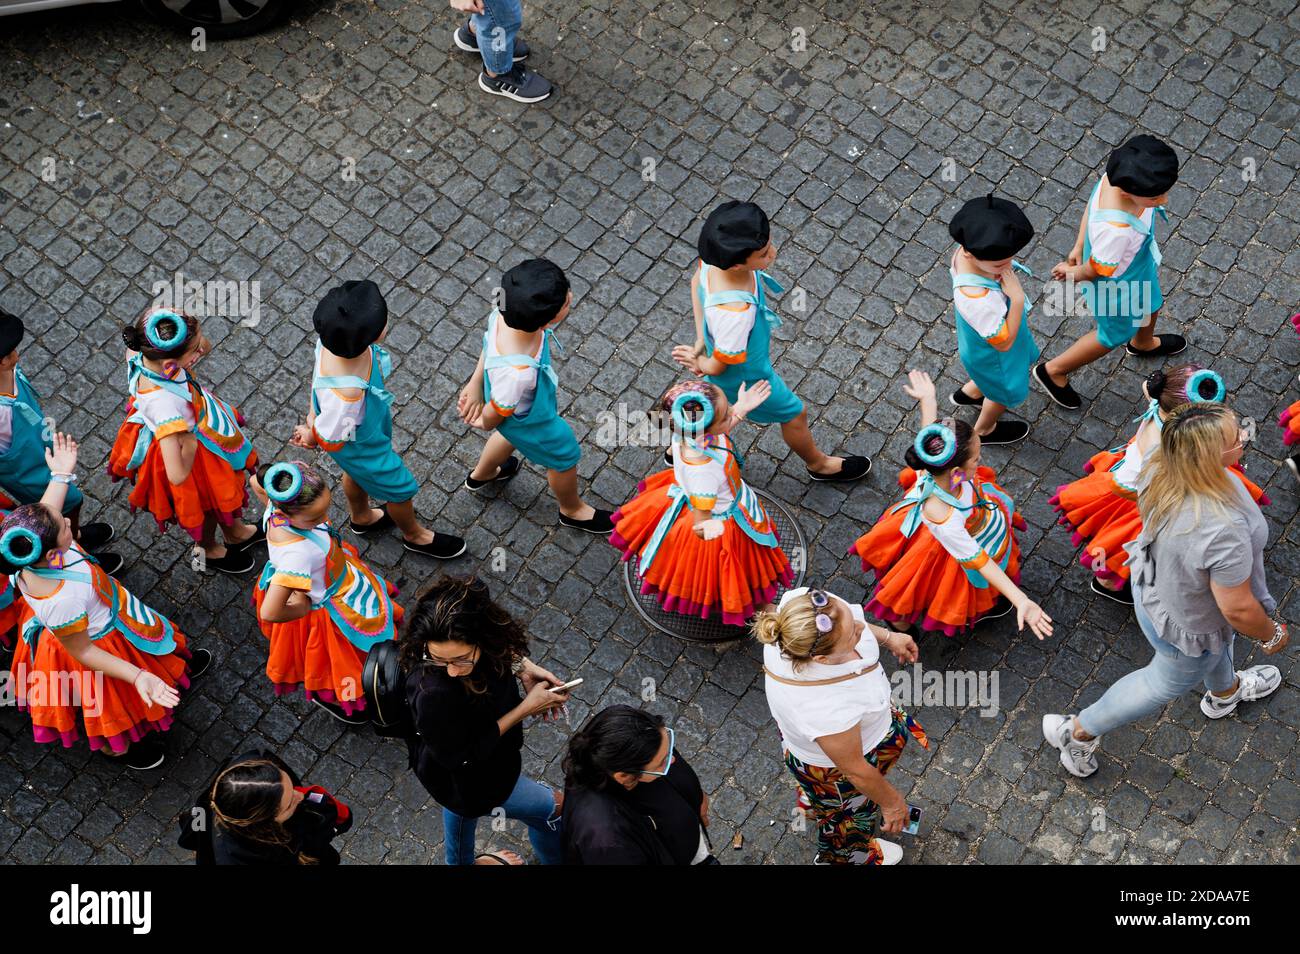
{"x": 840, "y": 730}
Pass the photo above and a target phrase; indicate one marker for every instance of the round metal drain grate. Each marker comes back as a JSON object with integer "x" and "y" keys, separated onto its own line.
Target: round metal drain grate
{"x": 697, "y": 630}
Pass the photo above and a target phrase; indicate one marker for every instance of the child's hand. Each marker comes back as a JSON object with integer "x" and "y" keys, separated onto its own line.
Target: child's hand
{"x": 686, "y": 356}
{"x": 1031, "y": 613}
{"x": 750, "y": 396}
{"x": 1010, "y": 281}
{"x": 303, "y": 436}
{"x": 1063, "y": 271}
{"x": 919, "y": 385}
{"x": 710, "y": 529}
{"x": 1076, "y": 255}
{"x": 154, "y": 691}
{"x": 470, "y": 403}
{"x": 61, "y": 455}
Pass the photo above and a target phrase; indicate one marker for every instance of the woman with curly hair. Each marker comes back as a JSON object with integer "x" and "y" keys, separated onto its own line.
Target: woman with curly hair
{"x": 465, "y": 659}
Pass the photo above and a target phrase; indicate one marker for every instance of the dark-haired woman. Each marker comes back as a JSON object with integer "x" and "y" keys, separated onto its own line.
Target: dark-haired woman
{"x": 181, "y": 446}
{"x": 465, "y": 659}
{"x": 946, "y": 556}
{"x": 320, "y": 606}
{"x": 1101, "y": 508}
{"x": 92, "y": 658}
{"x": 629, "y": 797}
{"x": 258, "y": 812}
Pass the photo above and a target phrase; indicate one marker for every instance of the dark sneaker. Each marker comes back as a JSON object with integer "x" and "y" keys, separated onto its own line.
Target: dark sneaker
{"x": 1169, "y": 345}
{"x": 602, "y": 523}
{"x": 92, "y": 536}
{"x": 504, "y": 473}
{"x": 853, "y": 468}
{"x": 234, "y": 562}
{"x": 465, "y": 40}
{"x": 200, "y": 660}
{"x": 1293, "y": 465}
{"x": 1062, "y": 394}
{"x": 519, "y": 84}
{"x": 962, "y": 399}
{"x": 1006, "y": 432}
{"x": 356, "y": 718}
{"x": 258, "y": 537}
{"x": 443, "y": 547}
{"x": 375, "y": 526}
{"x": 110, "y": 563}
{"x": 668, "y": 457}
{"x": 148, "y": 753}
{"x": 1123, "y": 595}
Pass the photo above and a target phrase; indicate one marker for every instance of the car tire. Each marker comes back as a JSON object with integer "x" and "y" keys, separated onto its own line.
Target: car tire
{"x": 221, "y": 19}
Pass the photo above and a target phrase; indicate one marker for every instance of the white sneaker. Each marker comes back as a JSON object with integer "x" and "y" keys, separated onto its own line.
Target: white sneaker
{"x": 1253, "y": 683}
{"x": 1079, "y": 758}
{"x": 891, "y": 854}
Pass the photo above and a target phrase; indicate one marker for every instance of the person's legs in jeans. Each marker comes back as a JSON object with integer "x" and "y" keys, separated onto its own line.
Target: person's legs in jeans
{"x": 534, "y": 804}
{"x": 1146, "y": 691}
{"x": 458, "y": 838}
{"x": 1221, "y": 679}
{"x": 495, "y": 29}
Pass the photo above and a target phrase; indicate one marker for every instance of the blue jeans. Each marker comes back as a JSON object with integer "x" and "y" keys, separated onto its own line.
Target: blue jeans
{"x": 1169, "y": 674}
{"x": 495, "y": 29}
{"x": 531, "y": 803}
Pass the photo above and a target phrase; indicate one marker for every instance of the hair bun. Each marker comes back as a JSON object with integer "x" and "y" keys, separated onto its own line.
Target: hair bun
{"x": 1156, "y": 383}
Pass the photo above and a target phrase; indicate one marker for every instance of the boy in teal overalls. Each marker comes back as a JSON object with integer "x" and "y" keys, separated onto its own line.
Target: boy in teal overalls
{"x": 512, "y": 393}
{"x": 24, "y": 438}
{"x": 351, "y": 419}
{"x": 733, "y": 324}
{"x": 991, "y": 312}
{"x": 1115, "y": 262}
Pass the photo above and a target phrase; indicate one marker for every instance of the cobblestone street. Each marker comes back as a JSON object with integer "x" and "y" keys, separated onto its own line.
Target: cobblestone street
{"x": 233, "y": 164}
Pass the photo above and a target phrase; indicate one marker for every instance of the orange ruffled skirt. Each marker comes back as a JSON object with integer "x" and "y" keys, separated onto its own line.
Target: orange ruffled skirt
{"x": 730, "y": 576}
{"x": 1290, "y": 423}
{"x": 918, "y": 580}
{"x": 213, "y": 489}
{"x": 66, "y": 700}
{"x": 311, "y": 653}
{"x": 1102, "y": 519}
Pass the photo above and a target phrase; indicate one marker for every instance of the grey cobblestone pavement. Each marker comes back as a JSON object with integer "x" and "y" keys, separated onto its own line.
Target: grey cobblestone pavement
{"x": 226, "y": 164}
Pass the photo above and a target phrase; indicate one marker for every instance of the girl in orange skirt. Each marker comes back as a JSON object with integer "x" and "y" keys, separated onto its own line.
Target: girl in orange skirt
{"x": 946, "y": 556}
{"x": 318, "y": 604}
{"x": 704, "y": 543}
{"x": 1290, "y": 422}
{"x": 181, "y": 446}
{"x": 1101, "y": 507}
{"x": 92, "y": 659}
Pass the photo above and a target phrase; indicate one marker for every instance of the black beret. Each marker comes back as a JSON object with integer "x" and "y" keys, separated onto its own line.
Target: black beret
{"x": 1143, "y": 166}
{"x": 350, "y": 318}
{"x": 535, "y": 291}
{"x": 11, "y": 333}
{"x": 732, "y": 232}
{"x": 991, "y": 228}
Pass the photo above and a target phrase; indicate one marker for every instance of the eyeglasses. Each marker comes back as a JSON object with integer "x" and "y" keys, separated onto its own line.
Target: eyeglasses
{"x": 469, "y": 660}
{"x": 668, "y": 763}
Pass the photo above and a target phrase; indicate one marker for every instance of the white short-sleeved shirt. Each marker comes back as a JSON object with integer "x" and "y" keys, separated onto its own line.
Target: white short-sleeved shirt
{"x": 164, "y": 413}
{"x": 339, "y": 417}
{"x": 706, "y": 482}
{"x": 299, "y": 564}
{"x": 984, "y": 309}
{"x": 806, "y": 713}
{"x": 1130, "y": 466}
{"x": 952, "y": 532}
{"x": 729, "y": 324}
{"x": 1114, "y": 244}
{"x": 6, "y": 427}
{"x": 73, "y": 606}
{"x": 513, "y": 386}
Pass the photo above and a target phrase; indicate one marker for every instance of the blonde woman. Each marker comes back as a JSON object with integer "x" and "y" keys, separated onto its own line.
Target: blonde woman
{"x": 839, "y": 728}
{"x": 1198, "y": 578}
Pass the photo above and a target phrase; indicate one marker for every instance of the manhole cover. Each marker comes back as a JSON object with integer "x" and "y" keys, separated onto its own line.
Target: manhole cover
{"x": 698, "y": 630}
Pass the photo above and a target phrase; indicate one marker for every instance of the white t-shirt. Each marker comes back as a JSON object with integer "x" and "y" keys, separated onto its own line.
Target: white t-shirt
{"x": 299, "y": 564}
{"x": 729, "y": 324}
{"x": 339, "y": 417}
{"x": 165, "y": 413}
{"x": 73, "y": 606}
{"x": 984, "y": 309}
{"x": 705, "y": 481}
{"x": 806, "y": 713}
{"x": 1130, "y": 465}
{"x": 1114, "y": 244}
{"x": 6, "y": 427}
{"x": 514, "y": 385}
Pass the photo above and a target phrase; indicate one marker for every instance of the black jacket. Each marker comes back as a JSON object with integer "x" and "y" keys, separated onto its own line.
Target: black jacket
{"x": 656, "y": 823}
{"x": 460, "y": 755}
{"x": 312, "y": 827}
